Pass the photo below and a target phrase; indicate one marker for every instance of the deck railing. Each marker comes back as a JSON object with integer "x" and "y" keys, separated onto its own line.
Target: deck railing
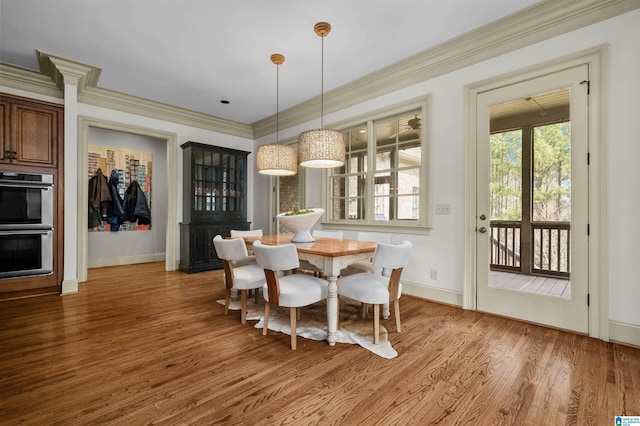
{"x": 543, "y": 250}
{"x": 551, "y": 248}
{"x": 505, "y": 245}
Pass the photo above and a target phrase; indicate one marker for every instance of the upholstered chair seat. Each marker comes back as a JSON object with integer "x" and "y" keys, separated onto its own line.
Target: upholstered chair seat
{"x": 291, "y": 291}
{"x": 240, "y": 271}
{"x": 379, "y": 289}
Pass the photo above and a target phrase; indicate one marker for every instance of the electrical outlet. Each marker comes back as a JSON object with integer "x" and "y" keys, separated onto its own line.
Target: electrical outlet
{"x": 443, "y": 208}
{"x": 434, "y": 274}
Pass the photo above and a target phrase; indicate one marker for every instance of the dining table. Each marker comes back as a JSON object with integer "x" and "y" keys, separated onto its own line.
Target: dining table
{"x": 330, "y": 255}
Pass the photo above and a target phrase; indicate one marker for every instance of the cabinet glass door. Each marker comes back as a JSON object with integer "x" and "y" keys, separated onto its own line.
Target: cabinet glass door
{"x": 205, "y": 180}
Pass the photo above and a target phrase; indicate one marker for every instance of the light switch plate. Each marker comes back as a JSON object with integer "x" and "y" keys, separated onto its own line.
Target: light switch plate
{"x": 443, "y": 208}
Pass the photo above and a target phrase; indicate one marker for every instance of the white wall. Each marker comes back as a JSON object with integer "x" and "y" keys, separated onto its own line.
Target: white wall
{"x": 124, "y": 247}
{"x": 442, "y": 249}
{"x": 184, "y": 134}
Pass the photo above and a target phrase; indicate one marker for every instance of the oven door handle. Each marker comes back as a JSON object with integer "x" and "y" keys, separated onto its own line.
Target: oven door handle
{"x": 22, "y": 184}
{"x": 27, "y": 232}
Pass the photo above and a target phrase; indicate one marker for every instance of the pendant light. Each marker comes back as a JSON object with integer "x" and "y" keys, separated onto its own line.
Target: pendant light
{"x": 277, "y": 159}
{"x": 321, "y": 148}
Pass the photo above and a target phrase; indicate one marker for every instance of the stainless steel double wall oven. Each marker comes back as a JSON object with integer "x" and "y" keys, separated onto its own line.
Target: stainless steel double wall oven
{"x": 26, "y": 224}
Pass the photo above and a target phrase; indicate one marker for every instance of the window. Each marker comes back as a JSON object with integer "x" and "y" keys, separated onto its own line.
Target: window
{"x": 383, "y": 181}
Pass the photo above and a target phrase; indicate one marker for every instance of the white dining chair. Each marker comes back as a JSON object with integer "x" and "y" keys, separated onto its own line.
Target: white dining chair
{"x": 379, "y": 289}
{"x": 292, "y": 291}
{"x": 360, "y": 266}
{"x": 239, "y": 273}
{"x": 235, "y": 233}
{"x": 308, "y": 267}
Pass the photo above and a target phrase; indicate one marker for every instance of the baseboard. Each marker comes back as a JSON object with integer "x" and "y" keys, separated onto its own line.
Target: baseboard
{"x": 126, "y": 260}
{"x": 69, "y": 286}
{"x": 619, "y": 332}
{"x": 436, "y": 294}
{"x": 624, "y": 333}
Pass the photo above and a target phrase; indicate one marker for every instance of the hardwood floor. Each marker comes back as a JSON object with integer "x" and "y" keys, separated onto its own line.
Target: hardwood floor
{"x": 138, "y": 345}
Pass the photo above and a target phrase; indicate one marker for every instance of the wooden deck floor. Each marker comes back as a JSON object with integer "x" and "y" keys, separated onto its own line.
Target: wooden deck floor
{"x": 531, "y": 284}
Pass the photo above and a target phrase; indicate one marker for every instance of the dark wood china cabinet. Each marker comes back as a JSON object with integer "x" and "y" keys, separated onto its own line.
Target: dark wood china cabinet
{"x": 214, "y": 202}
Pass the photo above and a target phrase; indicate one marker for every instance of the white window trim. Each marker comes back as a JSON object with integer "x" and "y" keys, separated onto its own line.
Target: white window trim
{"x": 423, "y": 224}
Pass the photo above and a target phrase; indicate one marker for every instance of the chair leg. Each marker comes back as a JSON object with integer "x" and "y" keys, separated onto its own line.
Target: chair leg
{"x": 265, "y": 327}
{"x": 292, "y": 321}
{"x": 227, "y": 298}
{"x": 243, "y": 307}
{"x": 364, "y": 308}
{"x": 256, "y": 295}
{"x": 376, "y": 324}
{"x": 396, "y": 308}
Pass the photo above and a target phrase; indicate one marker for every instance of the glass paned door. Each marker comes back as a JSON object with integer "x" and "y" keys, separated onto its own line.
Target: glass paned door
{"x": 532, "y": 191}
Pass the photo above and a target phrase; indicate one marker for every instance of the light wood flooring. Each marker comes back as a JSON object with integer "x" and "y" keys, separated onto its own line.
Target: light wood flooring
{"x": 138, "y": 345}
{"x": 531, "y": 284}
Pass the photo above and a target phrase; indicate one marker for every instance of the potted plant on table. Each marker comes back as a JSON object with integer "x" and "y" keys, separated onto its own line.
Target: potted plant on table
{"x": 301, "y": 222}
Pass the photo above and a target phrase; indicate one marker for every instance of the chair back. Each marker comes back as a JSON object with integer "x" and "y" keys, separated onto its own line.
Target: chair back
{"x": 252, "y": 233}
{"x": 327, "y": 234}
{"x": 392, "y": 258}
{"x": 378, "y": 237}
{"x": 231, "y": 249}
{"x": 228, "y": 251}
{"x": 274, "y": 259}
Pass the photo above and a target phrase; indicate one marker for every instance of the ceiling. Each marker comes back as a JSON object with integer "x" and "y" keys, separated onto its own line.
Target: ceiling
{"x": 196, "y": 53}
{"x": 540, "y": 104}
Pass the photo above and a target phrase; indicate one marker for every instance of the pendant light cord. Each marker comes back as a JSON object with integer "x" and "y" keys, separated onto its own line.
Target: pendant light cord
{"x": 277, "y": 102}
{"x": 322, "y": 85}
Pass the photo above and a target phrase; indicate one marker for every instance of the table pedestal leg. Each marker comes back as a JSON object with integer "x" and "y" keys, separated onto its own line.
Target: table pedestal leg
{"x": 385, "y": 311}
{"x": 332, "y": 310}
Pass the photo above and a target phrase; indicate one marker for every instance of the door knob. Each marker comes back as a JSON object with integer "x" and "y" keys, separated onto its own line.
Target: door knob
{"x": 482, "y": 230}
{"x": 482, "y": 217}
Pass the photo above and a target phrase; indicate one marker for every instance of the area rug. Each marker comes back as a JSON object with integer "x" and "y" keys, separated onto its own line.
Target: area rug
{"x": 312, "y": 324}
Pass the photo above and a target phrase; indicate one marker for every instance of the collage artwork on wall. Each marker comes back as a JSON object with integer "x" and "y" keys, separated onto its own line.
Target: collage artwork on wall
{"x": 119, "y": 189}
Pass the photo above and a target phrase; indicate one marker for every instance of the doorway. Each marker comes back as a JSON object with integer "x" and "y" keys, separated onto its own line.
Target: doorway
{"x": 84, "y": 125}
{"x": 532, "y": 186}
{"x": 526, "y": 224}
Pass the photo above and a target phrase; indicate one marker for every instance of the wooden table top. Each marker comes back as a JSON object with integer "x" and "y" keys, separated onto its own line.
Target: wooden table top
{"x": 330, "y": 247}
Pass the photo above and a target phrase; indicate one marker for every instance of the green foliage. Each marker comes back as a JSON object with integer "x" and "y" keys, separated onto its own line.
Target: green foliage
{"x": 551, "y": 174}
{"x": 506, "y": 175}
{"x": 296, "y": 212}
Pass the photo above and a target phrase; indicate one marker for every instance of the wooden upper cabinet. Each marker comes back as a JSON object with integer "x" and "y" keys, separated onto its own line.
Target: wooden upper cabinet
{"x": 5, "y": 134}
{"x": 31, "y": 132}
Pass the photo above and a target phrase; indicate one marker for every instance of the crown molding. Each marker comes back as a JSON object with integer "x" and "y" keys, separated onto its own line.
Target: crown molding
{"x": 67, "y": 71}
{"x": 536, "y": 23}
{"x": 36, "y": 82}
{"x": 132, "y": 104}
{"x": 28, "y": 80}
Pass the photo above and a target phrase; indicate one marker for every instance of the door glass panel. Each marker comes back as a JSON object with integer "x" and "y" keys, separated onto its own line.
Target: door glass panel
{"x": 551, "y": 197}
{"x": 530, "y": 194}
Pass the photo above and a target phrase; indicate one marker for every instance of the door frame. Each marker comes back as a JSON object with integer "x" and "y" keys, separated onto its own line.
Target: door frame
{"x": 597, "y": 60}
{"x": 82, "y": 234}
